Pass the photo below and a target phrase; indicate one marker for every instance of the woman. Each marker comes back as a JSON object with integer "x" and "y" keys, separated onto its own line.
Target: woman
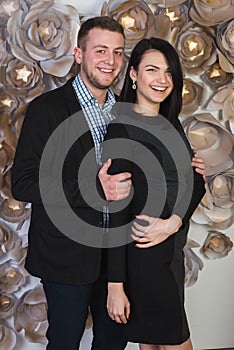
{"x": 146, "y": 288}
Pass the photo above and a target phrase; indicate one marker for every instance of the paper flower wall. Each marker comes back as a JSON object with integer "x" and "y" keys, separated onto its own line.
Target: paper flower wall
{"x": 37, "y": 38}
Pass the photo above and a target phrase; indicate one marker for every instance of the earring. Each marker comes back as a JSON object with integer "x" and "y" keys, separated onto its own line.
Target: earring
{"x": 134, "y": 85}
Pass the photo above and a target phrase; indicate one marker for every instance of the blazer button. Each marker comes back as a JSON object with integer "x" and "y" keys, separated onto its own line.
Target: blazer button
{"x": 100, "y": 224}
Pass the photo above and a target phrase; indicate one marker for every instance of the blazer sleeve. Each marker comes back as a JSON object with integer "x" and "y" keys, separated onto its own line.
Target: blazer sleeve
{"x": 30, "y": 176}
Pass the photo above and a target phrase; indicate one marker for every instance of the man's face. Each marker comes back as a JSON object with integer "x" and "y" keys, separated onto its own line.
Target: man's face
{"x": 102, "y": 59}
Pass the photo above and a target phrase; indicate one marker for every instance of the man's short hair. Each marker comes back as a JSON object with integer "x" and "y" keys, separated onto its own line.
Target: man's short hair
{"x": 102, "y": 22}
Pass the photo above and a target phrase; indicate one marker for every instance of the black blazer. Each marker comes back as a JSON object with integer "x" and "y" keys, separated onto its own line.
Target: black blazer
{"x": 51, "y": 254}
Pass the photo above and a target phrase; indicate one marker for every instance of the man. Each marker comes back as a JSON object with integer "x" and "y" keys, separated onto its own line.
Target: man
{"x": 73, "y": 274}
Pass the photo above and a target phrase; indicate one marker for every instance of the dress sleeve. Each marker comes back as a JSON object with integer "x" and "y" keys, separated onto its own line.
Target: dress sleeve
{"x": 120, "y": 211}
{"x": 198, "y": 186}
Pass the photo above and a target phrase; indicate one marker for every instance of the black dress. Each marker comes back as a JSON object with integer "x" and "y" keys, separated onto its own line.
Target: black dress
{"x": 154, "y": 277}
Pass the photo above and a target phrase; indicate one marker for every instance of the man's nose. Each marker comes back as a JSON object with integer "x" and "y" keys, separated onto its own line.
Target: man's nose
{"x": 110, "y": 59}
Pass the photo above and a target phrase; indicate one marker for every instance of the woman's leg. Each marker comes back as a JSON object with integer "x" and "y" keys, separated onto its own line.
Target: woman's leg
{"x": 187, "y": 345}
{"x": 149, "y": 347}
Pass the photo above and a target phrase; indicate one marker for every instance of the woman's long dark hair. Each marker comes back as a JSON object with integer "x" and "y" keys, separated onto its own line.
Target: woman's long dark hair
{"x": 171, "y": 107}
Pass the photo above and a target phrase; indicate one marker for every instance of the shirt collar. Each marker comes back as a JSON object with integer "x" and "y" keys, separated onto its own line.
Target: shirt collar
{"x": 85, "y": 96}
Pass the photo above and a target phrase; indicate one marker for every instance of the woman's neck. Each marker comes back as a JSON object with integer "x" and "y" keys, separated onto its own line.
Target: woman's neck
{"x": 145, "y": 110}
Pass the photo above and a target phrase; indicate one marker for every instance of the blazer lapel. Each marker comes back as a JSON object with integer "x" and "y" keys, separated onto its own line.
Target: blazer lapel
{"x": 74, "y": 107}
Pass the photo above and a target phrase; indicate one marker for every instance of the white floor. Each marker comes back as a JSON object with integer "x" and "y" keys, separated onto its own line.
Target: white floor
{"x": 85, "y": 344}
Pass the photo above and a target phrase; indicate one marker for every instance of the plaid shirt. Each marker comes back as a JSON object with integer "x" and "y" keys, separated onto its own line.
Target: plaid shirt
{"x": 98, "y": 119}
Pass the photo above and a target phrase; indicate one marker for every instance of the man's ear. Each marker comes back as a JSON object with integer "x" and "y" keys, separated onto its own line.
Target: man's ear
{"x": 78, "y": 55}
{"x": 132, "y": 73}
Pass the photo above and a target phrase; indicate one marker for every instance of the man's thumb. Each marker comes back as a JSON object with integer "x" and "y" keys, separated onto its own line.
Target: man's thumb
{"x": 106, "y": 166}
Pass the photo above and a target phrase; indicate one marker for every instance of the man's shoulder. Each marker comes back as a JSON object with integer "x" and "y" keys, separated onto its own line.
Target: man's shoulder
{"x": 57, "y": 95}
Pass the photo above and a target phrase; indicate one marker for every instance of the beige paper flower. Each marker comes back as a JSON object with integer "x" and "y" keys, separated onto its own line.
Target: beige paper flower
{"x": 223, "y": 100}
{"x": 17, "y": 118}
{"x": 178, "y": 15}
{"x": 47, "y": 33}
{"x": 217, "y": 245}
{"x": 7, "y": 134}
{"x": 193, "y": 97}
{"x": 118, "y": 83}
{"x": 167, "y": 3}
{"x": 211, "y": 13}
{"x": 193, "y": 264}
{"x": 218, "y": 218}
{"x": 135, "y": 16}
{"x": 221, "y": 188}
{"x": 196, "y": 47}
{"x": 5, "y": 184}
{"x": 52, "y": 81}
{"x": 8, "y": 102}
{"x": 7, "y": 338}
{"x": 7, "y": 305}
{"x": 12, "y": 276}
{"x": 14, "y": 211}
{"x": 22, "y": 78}
{"x": 217, "y": 206}
{"x": 6, "y": 160}
{"x": 9, "y": 7}
{"x": 3, "y": 51}
{"x": 31, "y": 315}
{"x": 6, "y": 239}
{"x": 215, "y": 76}
{"x": 225, "y": 44}
{"x": 212, "y": 141}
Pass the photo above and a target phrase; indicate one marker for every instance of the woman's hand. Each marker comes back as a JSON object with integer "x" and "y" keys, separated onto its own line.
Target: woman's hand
{"x": 157, "y": 231}
{"x": 118, "y": 305}
{"x": 198, "y": 164}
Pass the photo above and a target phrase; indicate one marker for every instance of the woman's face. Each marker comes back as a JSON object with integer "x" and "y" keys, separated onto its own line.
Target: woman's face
{"x": 153, "y": 80}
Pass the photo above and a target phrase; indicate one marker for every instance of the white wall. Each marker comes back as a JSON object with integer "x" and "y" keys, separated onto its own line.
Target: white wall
{"x": 210, "y": 302}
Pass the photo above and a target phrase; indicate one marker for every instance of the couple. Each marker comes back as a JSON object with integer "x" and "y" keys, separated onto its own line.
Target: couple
{"x": 75, "y": 276}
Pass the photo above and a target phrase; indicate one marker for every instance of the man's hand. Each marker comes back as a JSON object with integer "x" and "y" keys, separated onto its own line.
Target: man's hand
{"x": 118, "y": 305}
{"x": 115, "y": 187}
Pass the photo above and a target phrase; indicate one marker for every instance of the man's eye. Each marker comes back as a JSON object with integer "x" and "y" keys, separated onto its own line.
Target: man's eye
{"x": 101, "y": 51}
{"x": 118, "y": 53}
